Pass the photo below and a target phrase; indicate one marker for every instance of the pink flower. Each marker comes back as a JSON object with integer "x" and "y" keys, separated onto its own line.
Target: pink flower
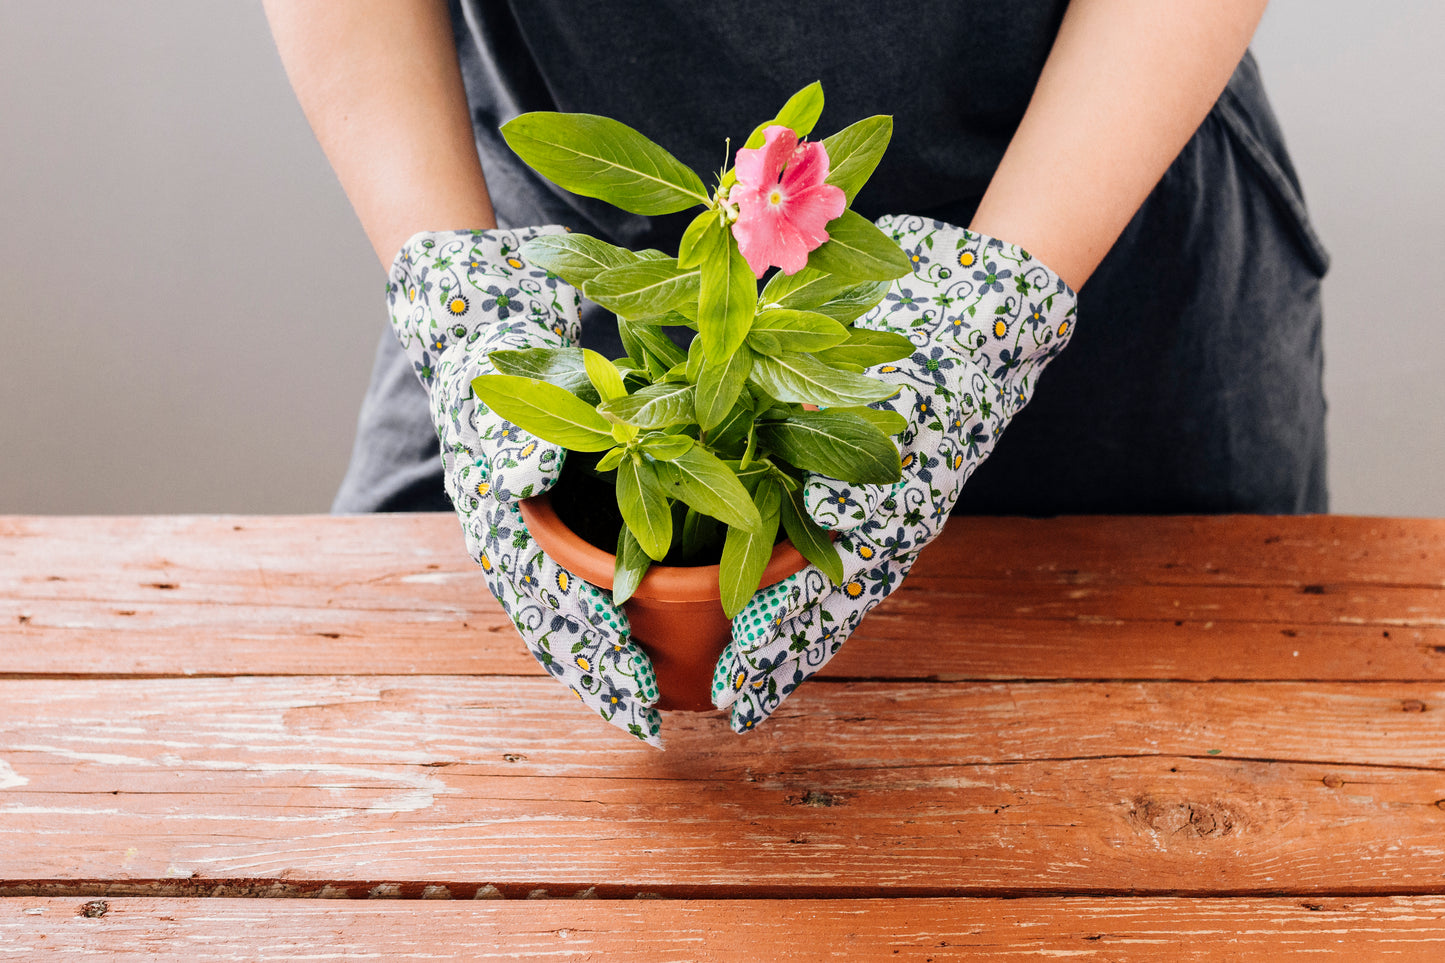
{"x": 783, "y": 204}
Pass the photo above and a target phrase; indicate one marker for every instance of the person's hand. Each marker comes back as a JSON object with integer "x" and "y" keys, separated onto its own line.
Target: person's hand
{"x": 985, "y": 318}
{"x": 455, "y": 297}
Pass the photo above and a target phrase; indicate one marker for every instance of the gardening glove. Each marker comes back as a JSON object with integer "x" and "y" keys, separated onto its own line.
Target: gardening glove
{"x": 985, "y": 318}
{"x": 456, "y": 296}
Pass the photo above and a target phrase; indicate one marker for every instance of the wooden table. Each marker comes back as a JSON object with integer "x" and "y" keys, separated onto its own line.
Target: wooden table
{"x": 1142, "y": 738}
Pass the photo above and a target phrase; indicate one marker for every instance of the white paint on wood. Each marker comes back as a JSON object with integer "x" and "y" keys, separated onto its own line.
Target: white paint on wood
{"x": 438, "y": 578}
{"x": 9, "y": 778}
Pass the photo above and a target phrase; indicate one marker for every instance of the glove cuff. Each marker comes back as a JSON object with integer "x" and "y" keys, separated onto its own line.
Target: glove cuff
{"x": 499, "y": 242}
{"x": 459, "y": 283}
{"x": 931, "y": 241}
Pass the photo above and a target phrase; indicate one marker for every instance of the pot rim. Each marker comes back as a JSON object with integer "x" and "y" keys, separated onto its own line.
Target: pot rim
{"x": 684, "y": 583}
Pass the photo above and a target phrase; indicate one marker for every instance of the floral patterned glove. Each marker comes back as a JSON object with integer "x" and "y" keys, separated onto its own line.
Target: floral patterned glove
{"x": 455, "y": 297}
{"x": 985, "y": 318}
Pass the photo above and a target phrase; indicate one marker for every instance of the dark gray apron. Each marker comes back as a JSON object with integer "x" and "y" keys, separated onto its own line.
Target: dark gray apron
{"x": 1193, "y": 381}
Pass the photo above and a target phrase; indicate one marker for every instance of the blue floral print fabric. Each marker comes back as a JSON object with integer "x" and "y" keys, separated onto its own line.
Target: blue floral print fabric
{"x": 985, "y": 318}
{"x": 455, "y": 297}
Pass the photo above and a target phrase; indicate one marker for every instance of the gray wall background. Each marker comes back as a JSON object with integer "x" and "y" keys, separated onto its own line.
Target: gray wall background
{"x": 160, "y": 352}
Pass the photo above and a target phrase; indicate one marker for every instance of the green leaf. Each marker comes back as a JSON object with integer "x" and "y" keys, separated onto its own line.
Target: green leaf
{"x": 630, "y": 370}
{"x": 703, "y": 236}
{"x": 703, "y": 481}
{"x": 611, "y": 460}
{"x": 726, "y": 301}
{"x": 856, "y": 249}
{"x": 800, "y": 113}
{"x": 666, "y": 447}
{"x": 854, "y": 152}
{"x": 600, "y": 157}
{"x": 702, "y": 535}
{"x": 842, "y": 446}
{"x": 718, "y": 387}
{"x": 745, "y": 553}
{"x": 551, "y": 413}
{"x": 643, "y": 289}
{"x": 888, "y": 422}
{"x": 656, "y": 406}
{"x": 576, "y": 258}
{"x": 840, "y": 298}
{"x": 730, "y": 435}
{"x": 804, "y": 290}
{"x": 632, "y": 565}
{"x": 867, "y": 348}
{"x": 657, "y": 350}
{"x": 809, "y": 538}
{"x": 695, "y": 359}
{"x": 642, "y": 499}
{"x": 636, "y": 361}
{"x": 604, "y": 375}
{"x": 674, "y": 319}
{"x": 563, "y": 367}
{"x": 805, "y": 331}
{"x": 753, "y": 474}
{"x": 802, "y": 378}
{"x": 764, "y": 343}
{"x": 856, "y": 301}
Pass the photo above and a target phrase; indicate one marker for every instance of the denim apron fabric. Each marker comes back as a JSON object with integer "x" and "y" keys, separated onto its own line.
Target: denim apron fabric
{"x": 1193, "y": 382}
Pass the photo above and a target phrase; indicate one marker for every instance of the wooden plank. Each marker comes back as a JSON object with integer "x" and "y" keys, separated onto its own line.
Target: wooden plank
{"x": 651, "y": 931}
{"x": 853, "y": 790}
{"x": 1062, "y": 598}
{"x": 198, "y": 638}
{"x": 1292, "y": 550}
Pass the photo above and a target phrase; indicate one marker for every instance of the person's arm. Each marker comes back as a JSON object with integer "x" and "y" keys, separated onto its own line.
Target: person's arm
{"x": 1124, "y": 87}
{"x": 379, "y": 83}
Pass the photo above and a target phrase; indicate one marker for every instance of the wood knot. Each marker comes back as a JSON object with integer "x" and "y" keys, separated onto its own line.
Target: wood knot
{"x": 95, "y": 909}
{"x": 1412, "y": 705}
{"x": 1199, "y": 819}
{"x": 815, "y": 797}
{"x": 1333, "y": 781}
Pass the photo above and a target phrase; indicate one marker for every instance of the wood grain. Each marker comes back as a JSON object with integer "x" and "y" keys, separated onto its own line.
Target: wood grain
{"x": 1317, "y": 597}
{"x": 855, "y": 789}
{"x": 654, "y": 931}
{"x": 1093, "y": 717}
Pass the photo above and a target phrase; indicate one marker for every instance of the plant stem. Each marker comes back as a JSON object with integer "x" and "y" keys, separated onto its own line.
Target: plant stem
{"x": 752, "y": 448}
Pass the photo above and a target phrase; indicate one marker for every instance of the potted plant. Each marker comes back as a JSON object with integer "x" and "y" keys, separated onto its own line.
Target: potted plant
{"x": 696, "y": 457}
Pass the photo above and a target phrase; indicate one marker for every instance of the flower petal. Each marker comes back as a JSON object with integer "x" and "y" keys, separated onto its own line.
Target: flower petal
{"x": 784, "y": 203}
{"x": 766, "y": 238}
{"x": 807, "y": 167}
{"x": 760, "y": 167}
{"x": 812, "y": 209}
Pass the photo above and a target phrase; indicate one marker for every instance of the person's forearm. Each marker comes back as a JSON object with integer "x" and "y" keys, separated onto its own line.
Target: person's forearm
{"x": 1125, "y": 86}
{"x": 379, "y": 82}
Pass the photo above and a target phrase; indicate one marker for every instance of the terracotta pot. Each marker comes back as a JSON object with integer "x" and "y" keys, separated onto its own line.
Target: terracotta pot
{"x": 676, "y": 613}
